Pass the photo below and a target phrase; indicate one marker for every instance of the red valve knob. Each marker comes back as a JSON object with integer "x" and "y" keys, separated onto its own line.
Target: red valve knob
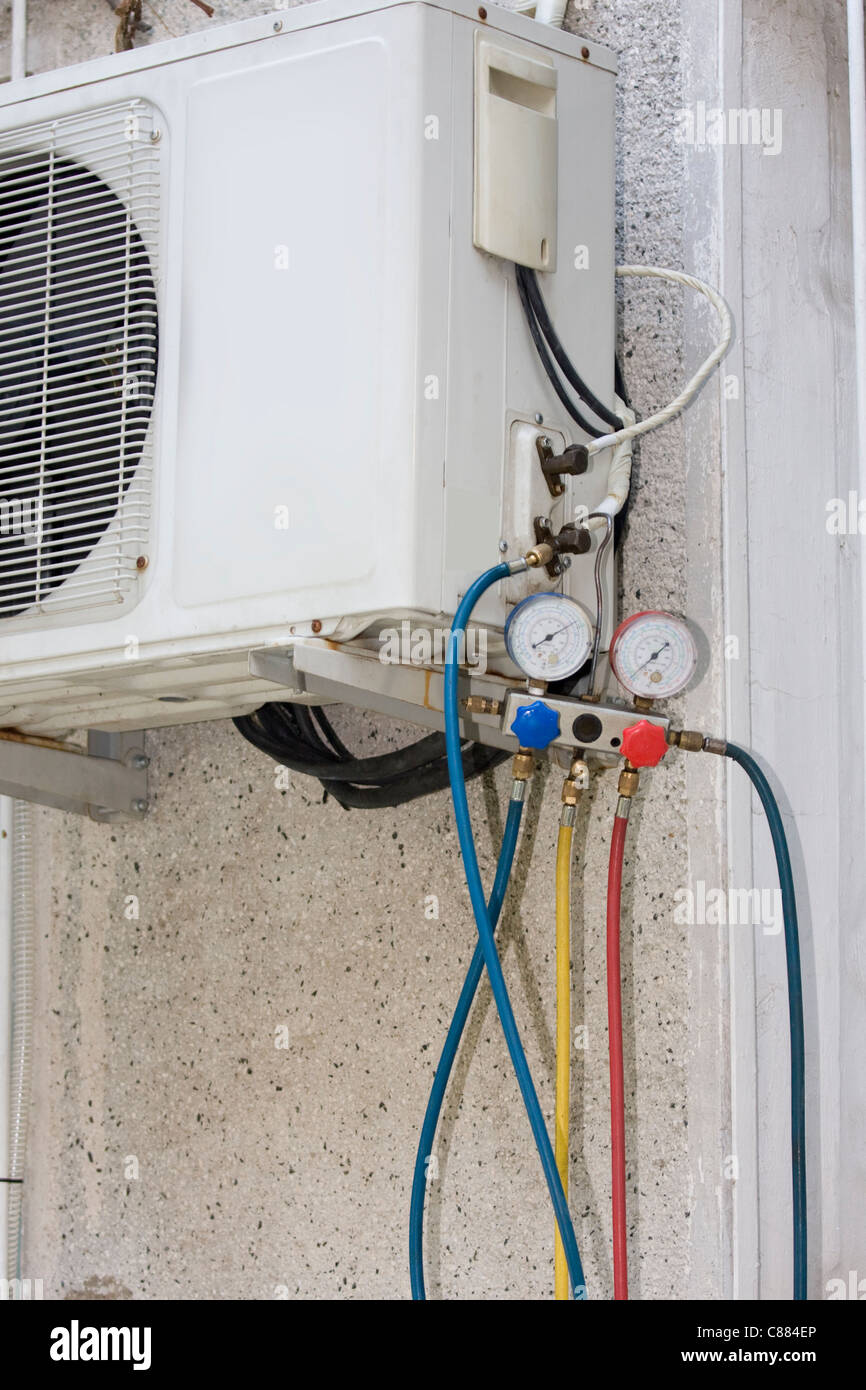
{"x": 644, "y": 744}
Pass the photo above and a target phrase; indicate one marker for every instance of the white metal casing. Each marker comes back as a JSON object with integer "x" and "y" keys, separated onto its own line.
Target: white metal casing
{"x": 334, "y": 352}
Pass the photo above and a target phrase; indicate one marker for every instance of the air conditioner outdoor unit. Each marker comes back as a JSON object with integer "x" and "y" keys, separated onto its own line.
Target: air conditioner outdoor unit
{"x": 264, "y": 377}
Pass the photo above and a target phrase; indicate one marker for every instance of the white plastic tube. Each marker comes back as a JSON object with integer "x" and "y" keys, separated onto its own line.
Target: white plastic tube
{"x": 551, "y": 12}
{"x": 619, "y": 474}
{"x": 706, "y": 369}
{"x": 19, "y": 40}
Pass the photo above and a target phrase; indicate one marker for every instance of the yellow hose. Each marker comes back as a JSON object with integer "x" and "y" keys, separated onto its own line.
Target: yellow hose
{"x": 563, "y": 1033}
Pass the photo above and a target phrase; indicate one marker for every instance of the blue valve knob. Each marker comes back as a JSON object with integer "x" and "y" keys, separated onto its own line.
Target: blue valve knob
{"x": 535, "y": 725}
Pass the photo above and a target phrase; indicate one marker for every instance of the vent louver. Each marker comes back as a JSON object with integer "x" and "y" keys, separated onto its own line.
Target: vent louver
{"x": 78, "y": 356}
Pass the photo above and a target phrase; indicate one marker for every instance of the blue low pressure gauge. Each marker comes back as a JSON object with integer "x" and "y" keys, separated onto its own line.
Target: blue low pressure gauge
{"x": 548, "y": 636}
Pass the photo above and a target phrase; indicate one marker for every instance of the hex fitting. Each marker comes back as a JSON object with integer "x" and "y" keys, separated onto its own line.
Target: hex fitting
{"x": 579, "y": 772}
{"x": 628, "y": 782}
{"x": 570, "y": 792}
{"x": 480, "y": 704}
{"x": 576, "y": 782}
{"x": 687, "y": 739}
{"x": 715, "y": 745}
{"x": 523, "y": 765}
{"x": 539, "y": 555}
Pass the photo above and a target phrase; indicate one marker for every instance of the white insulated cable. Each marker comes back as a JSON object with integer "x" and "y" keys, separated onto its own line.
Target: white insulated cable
{"x": 690, "y": 390}
{"x": 619, "y": 475}
{"x": 551, "y": 12}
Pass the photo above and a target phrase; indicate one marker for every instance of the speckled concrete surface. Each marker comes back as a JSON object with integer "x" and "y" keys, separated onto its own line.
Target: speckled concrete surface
{"x": 178, "y": 1148}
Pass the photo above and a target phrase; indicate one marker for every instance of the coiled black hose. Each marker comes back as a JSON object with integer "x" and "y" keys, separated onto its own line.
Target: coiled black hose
{"x": 302, "y": 738}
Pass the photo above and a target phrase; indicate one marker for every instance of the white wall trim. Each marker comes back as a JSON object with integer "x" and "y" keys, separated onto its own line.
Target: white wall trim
{"x": 735, "y": 570}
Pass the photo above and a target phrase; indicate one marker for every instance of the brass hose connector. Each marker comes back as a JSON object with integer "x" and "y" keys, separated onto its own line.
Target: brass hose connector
{"x": 693, "y": 742}
{"x": 523, "y": 765}
{"x": 627, "y": 788}
{"x": 539, "y": 555}
{"x": 687, "y": 739}
{"x": 715, "y": 745}
{"x": 628, "y": 781}
{"x": 573, "y": 788}
{"x": 480, "y": 704}
{"x": 576, "y": 782}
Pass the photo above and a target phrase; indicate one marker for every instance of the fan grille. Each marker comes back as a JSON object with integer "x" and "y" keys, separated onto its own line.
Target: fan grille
{"x": 78, "y": 357}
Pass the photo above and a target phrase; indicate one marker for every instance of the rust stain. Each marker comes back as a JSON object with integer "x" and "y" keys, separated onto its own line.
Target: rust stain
{"x": 38, "y": 741}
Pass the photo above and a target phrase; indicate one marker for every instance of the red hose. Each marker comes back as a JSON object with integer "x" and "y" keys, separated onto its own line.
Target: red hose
{"x": 617, "y": 1087}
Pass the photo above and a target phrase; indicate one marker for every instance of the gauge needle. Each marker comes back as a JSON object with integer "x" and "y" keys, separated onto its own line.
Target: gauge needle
{"x": 550, "y": 635}
{"x": 655, "y": 656}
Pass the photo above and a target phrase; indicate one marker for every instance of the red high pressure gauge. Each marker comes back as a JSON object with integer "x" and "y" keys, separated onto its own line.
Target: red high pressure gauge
{"x": 653, "y": 655}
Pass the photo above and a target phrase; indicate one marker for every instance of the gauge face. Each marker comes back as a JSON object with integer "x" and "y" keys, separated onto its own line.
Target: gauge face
{"x": 548, "y": 636}
{"x": 653, "y": 654}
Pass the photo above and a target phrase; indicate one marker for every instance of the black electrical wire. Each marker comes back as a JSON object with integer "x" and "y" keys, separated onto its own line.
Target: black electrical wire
{"x": 278, "y": 728}
{"x": 529, "y": 282}
{"x": 547, "y": 364}
{"x": 329, "y": 731}
{"x": 619, "y": 382}
{"x": 433, "y": 778}
{"x": 570, "y": 684}
{"x": 288, "y": 734}
{"x": 620, "y": 521}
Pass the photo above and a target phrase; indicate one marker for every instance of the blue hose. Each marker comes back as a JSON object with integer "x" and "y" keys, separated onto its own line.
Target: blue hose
{"x": 449, "y": 1053}
{"x": 795, "y": 1011}
{"x": 485, "y": 929}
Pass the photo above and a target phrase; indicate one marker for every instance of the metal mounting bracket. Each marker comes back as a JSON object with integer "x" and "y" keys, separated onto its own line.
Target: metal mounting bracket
{"x": 107, "y": 781}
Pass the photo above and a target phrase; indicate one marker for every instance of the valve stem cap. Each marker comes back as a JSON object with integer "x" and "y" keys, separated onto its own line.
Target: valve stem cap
{"x": 644, "y": 744}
